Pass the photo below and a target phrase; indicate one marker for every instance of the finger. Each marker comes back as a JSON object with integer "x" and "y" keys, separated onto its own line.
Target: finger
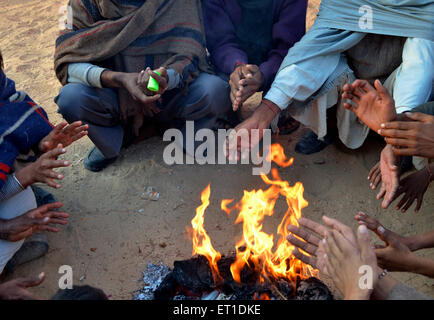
{"x": 53, "y": 154}
{"x": 306, "y": 236}
{"x": 57, "y": 129}
{"x": 50, "y": 174}
{"x": 376, "y": 180}
{"x": 397, "y": 125}
{"x": 369, "y": 221}
{"x": 382, "y": 192}
{"x": 79, "y": 136}
{"x": 313, "y": 226}
{"x": 58, "y": 221}
{"x": 45, "y": 208}
{"x": 52, "y": 164}
{"x": 310, "y": 260}
{"x": 48, "y": 228}
{"x": 405, "y": 151}
{"x": 393, "y": 133}
{"x": 349, "y": 106}
{"x": 419, "y": 203}
{"x": 373, "y": 170}
{"x": 330, "y": 246}
{"x": 408, "y": 204}
{"x": 399, "y": 142}
{"x": 144, "y": 99}
{"x": 307, "y": 247}
{"x": 364, "y": 241}
{"x": 403, "y": 200}
{"x": 363, "y": 86}
{"x": 339, "y": 226}
{"x": 417, "y": 116}
{"x": 34, "y": 281}
{"x": 386, "y": 235}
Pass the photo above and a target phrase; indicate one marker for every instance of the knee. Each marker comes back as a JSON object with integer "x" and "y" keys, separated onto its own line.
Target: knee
{"x": 70, "y": 100}
{"x": 216, "y": 94}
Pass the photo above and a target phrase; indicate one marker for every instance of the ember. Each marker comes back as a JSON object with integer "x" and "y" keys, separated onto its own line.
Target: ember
{"x": 259, "y": 268}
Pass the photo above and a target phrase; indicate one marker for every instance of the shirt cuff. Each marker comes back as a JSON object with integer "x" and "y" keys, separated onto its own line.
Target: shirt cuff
{"x": 173, "y": 79}
{"x": 85, "y": 73}
{"x": 278, "y": 97}
{"x": 403, "y": 109}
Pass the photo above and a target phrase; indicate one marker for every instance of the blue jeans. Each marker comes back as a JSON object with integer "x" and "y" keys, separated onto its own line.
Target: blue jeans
{"x": 206, "y": 100}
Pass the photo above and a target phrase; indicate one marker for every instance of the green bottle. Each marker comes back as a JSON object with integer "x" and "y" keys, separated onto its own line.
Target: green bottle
{"x": 153, "y": 84}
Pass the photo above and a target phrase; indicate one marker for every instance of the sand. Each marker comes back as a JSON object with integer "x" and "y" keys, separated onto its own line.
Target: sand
{"x": 113, "y": 234}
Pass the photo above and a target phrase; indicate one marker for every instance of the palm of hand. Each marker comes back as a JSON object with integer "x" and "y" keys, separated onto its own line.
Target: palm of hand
{"x": 374, "y": 110}
{"x": 389, "y": 176}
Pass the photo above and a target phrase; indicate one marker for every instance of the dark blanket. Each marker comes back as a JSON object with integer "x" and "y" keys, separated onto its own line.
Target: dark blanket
{"x": 132, "y": 35}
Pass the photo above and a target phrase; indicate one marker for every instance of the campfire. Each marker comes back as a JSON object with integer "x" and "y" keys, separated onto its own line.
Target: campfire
{"x": 261, "y": 267}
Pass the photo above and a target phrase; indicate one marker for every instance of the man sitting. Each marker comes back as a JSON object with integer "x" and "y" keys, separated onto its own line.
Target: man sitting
{"x": 105, "y": 60}
{"x": 248, "y": 39}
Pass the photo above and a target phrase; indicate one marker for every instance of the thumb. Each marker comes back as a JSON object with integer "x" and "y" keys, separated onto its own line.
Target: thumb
{"x": 364, "y": 242}
{"x": 385, "y": 235}
{"x": 417, "y": 116}
{"x": 382, "y": 91}
{"x": 34, "y": 281}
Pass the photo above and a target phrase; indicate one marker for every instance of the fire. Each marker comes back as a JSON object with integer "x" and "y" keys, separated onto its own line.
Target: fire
{"x": 256, "y": 248}
{"x": 201, "y": 241}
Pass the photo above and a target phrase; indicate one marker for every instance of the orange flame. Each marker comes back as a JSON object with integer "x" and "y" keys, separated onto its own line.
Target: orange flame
{"x": 257, "y": 248}
{"x": 201, "y": 241}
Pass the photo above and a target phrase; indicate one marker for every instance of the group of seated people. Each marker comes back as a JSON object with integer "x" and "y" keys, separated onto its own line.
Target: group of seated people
{"x": 209, "y": 57}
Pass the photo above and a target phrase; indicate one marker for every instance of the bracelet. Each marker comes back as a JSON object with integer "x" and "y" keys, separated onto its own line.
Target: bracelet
{"x": 268, "y": 104}
{"x": 17, "y": 181}
{"x": 382, "y": 275}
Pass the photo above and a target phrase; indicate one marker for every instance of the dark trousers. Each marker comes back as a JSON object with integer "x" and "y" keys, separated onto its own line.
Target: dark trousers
{"x": 206, "y": 100}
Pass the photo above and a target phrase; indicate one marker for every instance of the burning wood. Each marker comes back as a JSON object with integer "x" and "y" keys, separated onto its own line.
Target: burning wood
{"x": 259, "y": 269}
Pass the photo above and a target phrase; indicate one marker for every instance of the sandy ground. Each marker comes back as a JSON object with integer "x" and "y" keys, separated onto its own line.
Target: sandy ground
{"x": 109, "y": 239}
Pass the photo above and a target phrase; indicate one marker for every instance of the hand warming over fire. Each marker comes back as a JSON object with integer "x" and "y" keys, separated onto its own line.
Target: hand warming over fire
{"x": 347, "y": 264}
{"x": 309, "y": 239}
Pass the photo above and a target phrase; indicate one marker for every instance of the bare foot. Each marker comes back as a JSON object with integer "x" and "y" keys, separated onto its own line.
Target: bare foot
{"x": 373, "y": 106}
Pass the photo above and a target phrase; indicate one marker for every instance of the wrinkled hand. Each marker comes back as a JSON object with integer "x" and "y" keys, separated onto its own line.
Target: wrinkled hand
{"x": 249, "y": 133}
{"x": 245, "y": 80}
{"x": 63, "y": 134}
{"x": 373, "y": 106}
{"x": 35, "y": 220}
{"x": 389, "y": 166}
{"x": 411, "y": 138}
{"x": 374, "y": 176}
{"x": 146, "y": 98}
{"x": 17, "y": 289}
{"x": 344, "y": 259}
{"x": 42, "y": 169}
{"x": 161, "y": 79}
{"x": 394, "y": 255}
{"x": 312, "y": 235}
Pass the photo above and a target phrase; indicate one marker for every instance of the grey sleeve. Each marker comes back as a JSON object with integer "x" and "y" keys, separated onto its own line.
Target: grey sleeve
{"x": 85, "y": 73}
{"x": 404, "y": 292}
{"x": 10, "y": 188}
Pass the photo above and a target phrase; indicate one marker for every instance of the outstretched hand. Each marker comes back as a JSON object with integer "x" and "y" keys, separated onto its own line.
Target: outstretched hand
{"x": 17, "y": 289}
{"x": 390, "y": 171}
{"x": 411, "y": 138}
{"x": 35, "y": 220}
{"x": 312, "y": 236}
{"x": 63, "y": 134}
{"x": 42, "y": 169}
{"x": 373, "y": 106}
